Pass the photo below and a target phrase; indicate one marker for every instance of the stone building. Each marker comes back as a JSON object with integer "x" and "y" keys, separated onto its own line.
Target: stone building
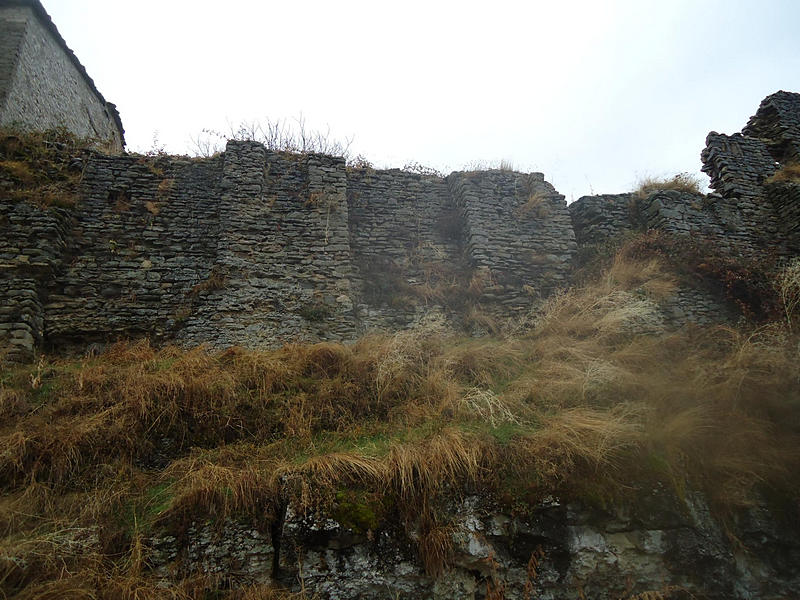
{"x": 43, "y": 84}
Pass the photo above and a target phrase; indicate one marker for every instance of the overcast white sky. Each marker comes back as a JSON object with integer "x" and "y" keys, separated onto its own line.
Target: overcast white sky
{"x": 594, "y": 94}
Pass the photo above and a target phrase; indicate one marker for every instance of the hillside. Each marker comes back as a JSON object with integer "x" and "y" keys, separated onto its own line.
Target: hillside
{"x": 220, "y": 474}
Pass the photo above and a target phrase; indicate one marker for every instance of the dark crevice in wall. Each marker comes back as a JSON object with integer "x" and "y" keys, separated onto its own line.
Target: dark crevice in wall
{"x": 276, "y": 534}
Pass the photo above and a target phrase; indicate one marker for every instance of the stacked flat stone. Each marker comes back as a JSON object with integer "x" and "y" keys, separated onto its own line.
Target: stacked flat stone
{"x": 32, "y": 243}
{"x": 145, "y": 233}
{"x": 785, "y": 197}
{"x": 401, "y": 225}
{"x": 283, "y": 250}
{"x": 518, "y": 229}
{"x": 597, "y": 219}
{"x": 258, "y": 248}
{"x": 778, "y": 123}
{"x": 737, "y": 165}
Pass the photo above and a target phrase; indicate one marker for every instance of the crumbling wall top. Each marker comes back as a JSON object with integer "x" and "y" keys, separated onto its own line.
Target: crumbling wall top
{"x": 777, "y": 123}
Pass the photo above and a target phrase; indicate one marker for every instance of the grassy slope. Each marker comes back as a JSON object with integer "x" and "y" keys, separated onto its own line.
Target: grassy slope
{"x": 576, "y": 401}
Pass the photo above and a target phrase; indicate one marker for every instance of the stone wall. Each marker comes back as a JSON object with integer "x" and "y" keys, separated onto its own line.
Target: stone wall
{"x": 785, "y": 198}
{"x": 31, "y": 250}
{"x": 405, "y": 237}
{"x": 597, "y": 219}
{"x": 747, "y": 215}
{"x": 42, "y": 83}
{"x": 144, "y": 236}
{"x": 256, "y": 247}
{"x": 472, "y": 243}
{"x": 282, "y": 252}
{"x": 517, "y": 230}
{"x": 778, "y": 122}
{"x": 12, "y": 34}
{"x": 250, "y": 248}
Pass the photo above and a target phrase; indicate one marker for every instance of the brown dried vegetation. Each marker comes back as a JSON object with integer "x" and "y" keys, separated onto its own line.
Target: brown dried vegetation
{"x": 789, "y": 173}
{"x": 580, "y": 402}
{"x": 682, "y": 182}
{"x": 38, "y": 167}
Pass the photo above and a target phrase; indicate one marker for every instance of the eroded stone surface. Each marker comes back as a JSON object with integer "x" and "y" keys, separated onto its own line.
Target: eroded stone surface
{"x": 659, "y": 544}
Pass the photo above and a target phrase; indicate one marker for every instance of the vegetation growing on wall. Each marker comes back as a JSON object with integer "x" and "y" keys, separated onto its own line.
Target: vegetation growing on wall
{"x": 789, "y": 173}
{"x": 682, "y": 182}
{"x": 42, "y": 167}
{"x": 746, "y": 284}
{"x": 281, "y": 135}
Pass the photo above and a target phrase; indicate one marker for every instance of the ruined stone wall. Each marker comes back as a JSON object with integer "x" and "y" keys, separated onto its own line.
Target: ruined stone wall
{"x": 282, "y": 252}
{"x": 785, "y": 198}
{"x": 32, "y": 245}
{"x": 777, "y": 121}
{"x": 607, "y": 219}
{"x": 256, "y": 247}
{"x": 405, "y": 237}
{"x": 517, "y": 230}
{"x": 597, "y": 219}
{"x": 747, "y": 214}
{"x": 250, "y": 248}
{"x": 144, "y": 235}
{"x": 259, "y": 248}
{"x": 47, "y": 87}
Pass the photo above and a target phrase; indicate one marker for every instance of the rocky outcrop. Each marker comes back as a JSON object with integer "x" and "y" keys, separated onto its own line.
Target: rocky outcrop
{"x": 659, "y": 545}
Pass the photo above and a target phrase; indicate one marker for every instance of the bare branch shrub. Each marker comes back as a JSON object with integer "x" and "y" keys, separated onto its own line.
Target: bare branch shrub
{"x": 280, "y": 135}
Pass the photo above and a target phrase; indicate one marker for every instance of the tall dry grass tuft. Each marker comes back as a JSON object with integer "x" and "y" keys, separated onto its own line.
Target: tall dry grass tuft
{"x": 682, "y": 182}
{"x": 449, "y": 459}
{"x": 788, "y": 287}
{"x": 436, "y": 549}
{"x": 234, "y": 479}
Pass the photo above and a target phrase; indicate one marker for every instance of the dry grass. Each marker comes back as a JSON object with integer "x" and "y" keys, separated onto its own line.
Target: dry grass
{"x": 588, "y": 399}
{"x": 682, "y": 182}
{"x": 787, "y": 174}
{"x": 536, "y": 206}
{"x": 788, "y": 286}
{"x": 436, "y": 547}
{"x": 36, "y": 166}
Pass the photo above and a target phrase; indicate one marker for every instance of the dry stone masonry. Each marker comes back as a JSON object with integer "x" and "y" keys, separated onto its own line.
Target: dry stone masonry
{"x": 747, "y": 214}
{"x": 258, "y": 248}
{"x": 43, "y": 84}
{"x": 518, "y": 230}
{"x": 777, "y": 122}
